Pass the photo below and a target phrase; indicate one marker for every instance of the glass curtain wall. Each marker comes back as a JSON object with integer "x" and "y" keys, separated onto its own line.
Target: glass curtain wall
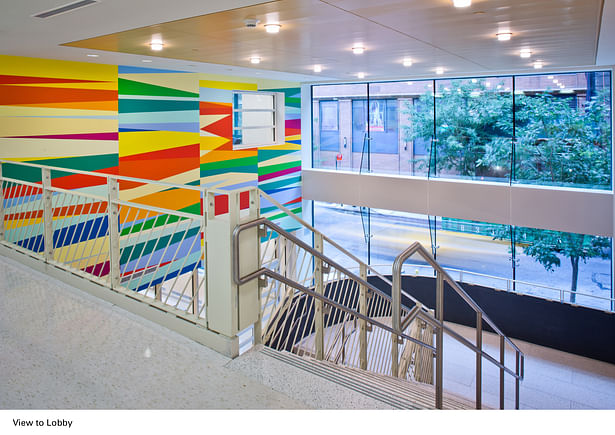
{"x": 547, "y": 129}
{"x": 565, "y": 267}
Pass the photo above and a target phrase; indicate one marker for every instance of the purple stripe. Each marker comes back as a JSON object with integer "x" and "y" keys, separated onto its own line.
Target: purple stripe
{"x": 279, "y": 173}
{"x": 293, "y": 123}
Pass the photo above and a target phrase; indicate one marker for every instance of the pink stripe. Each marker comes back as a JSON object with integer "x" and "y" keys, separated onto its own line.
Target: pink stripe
{"x": 279, "y": 173}
{"x": 84, "y": 136}
{"x": 293, "y": 123}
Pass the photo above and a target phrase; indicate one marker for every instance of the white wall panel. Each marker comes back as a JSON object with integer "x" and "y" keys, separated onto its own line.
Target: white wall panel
{"x": 572, "y": 210}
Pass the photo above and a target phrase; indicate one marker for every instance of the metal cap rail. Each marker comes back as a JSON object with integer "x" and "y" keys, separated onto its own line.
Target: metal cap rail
{"x": 441, "y": 276}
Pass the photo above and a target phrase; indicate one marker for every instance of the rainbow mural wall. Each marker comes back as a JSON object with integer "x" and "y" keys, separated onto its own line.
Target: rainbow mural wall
{"x": 163, "y": 125}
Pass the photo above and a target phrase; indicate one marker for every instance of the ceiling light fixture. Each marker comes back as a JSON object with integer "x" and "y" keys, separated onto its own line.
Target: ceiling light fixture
{"x": 550, "y": 77}
{"x": 255, "y": 60}
{"x": 358, "y": 49}
{"x": 361, "y": 75}
{"x": 272, "y": 28}
{"x": 407, "y": 62}
{"x": 538, "y": 64}
{"x": 92, "y": 55}
{"x": 439, "y": 70}
{"x": 146, "y": 61}
{"x": 462, "y": 3}
{"x": 317, "y": 68}
{"x": 525, "y": 53}
{"x": 156, "y": 45}
{"x": 504, "y": 36}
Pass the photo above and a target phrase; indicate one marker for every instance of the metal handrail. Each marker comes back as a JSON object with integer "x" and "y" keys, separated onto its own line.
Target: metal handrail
{"x": 422, "y": 314}
{"x": 441, "y": 276}
{"x": 417, "y": 248}
{"x": 333, "y": 243}
{"x": 266, "y": 222}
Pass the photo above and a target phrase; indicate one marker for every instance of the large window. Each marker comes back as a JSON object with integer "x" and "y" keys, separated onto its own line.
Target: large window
{"x": 547, "y": 129}
{"x": 565, "y": 267}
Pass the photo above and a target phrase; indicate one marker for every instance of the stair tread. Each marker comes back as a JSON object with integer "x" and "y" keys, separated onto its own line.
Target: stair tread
{"x": 399, "y": 393}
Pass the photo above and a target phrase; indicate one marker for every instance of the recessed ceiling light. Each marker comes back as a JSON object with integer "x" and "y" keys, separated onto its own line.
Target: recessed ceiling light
{"x": 550, "y": 77}
{"x": 146, "y": 61}
{"x": 317, "y": 68}
{"x": 255, "y": 60}
{"x": 525, "y": 52}
{"x": 92, "y": 55}
{"x": 462, "y": 3}
{"x": 556, "y": 81}
{"x": 272, "y": 28}
{"x": 439, "y": 70}
{"x": 361, "y": 75}
{"x": 538, "y": 64}
{"x": 358, "y": 49}
{"x": 504, "y": 36}
{"x": 156, "y": 45}
{"x": 407, "y": 62}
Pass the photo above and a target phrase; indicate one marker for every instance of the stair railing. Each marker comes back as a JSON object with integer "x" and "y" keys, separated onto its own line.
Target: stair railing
{"x": 440, "y": 327}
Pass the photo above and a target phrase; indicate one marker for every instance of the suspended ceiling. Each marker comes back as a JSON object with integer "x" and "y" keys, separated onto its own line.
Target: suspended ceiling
{"x": 212, "y": 35}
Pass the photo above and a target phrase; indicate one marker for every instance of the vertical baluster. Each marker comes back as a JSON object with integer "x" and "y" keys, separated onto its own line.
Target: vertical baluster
{"x": 1, "y": 204}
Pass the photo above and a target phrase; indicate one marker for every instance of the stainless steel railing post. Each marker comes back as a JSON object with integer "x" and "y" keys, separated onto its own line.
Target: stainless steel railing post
{"x": 47, "y": 214}
{"x": 517, "y": 380}
{"x": 479, "y": 360}
{"x": 362, "y": 322}
{"x": 318, "y": 304}
{"x": 502, "y": 361}
{"x": 439, "y": 338}
{"x": 113, "y": 215}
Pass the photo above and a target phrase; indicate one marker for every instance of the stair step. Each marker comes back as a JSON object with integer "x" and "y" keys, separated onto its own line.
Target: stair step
{"x": 397, "y": 393}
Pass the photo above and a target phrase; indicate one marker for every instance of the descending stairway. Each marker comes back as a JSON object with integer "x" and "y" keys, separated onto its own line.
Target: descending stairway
{"x": 397, "y": 393}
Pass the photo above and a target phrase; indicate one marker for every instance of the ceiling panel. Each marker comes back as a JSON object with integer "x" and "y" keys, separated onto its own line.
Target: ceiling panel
{"x": 431, "y": 32}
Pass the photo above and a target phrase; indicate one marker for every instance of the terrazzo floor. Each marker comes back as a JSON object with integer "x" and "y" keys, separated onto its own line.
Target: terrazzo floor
{"x": 64, "y": 349}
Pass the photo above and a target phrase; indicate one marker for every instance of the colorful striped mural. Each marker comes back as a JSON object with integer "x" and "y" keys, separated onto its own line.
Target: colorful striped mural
{"x": 61, "y": 114}
{"x": 162, "y": 125}
{"x": 274, "y": 169}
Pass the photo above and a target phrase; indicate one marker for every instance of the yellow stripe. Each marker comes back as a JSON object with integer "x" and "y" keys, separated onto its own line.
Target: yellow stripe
{"x": 95, "y": 247}
{"x": 32, "y": 67}
{"x": 229, "y": 86}
{"x": 212, "y": 142}
{"x": 228, "y": 179}
{"x": 12, "y": 111}
{"x": 139, "y": 142}
{"x": 105, "y": 86}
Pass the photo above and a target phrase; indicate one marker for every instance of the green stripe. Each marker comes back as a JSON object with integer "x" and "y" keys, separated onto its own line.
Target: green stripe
{"x": 279, "y": 184}
{"x": 240, "y": 169}
{"x": 131, "y": 87}
{"x": 83, "y": 163}
{"x": 281, "y": 215}
{"x": 140, "y": 249}
{"x": 275, "y": 168}
{"x": 264, "y": 155}
{"x": 136, "y": 106}
{"x": 244, "y": 161}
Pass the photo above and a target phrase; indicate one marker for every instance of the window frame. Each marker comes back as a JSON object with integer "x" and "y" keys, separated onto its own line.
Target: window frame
{"x": 277, "y": 127}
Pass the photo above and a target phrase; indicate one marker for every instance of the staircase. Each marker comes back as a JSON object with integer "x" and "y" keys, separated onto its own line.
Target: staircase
{"x": 395, "y": 392}
{"x": 319, "y": 311}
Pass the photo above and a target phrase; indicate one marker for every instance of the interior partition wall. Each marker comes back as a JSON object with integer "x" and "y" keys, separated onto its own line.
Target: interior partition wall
{"x": 551, "y": 130}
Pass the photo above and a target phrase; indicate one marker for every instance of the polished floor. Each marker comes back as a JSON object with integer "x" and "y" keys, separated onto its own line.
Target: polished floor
{"x": 64, "y": 349}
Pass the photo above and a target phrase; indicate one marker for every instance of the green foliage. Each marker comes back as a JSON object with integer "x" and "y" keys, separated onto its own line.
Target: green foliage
{"x": 557, "y": 142}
